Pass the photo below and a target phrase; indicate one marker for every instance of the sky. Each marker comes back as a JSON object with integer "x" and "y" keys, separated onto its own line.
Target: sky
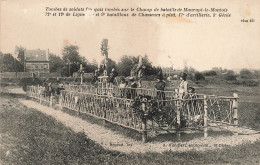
{"x": 201, "y": 43}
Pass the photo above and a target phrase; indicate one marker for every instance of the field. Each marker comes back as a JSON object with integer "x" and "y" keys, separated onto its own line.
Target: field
{"x": 31, "y": 137}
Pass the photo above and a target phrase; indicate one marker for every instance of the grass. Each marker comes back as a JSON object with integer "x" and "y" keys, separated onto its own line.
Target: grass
{"x": 30, "y": 137}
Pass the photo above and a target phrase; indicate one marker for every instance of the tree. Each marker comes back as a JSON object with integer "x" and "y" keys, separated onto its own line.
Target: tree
{"x": 210, "y": 73}
{"x": 230, "y": 75}
{"x": 10, "y": 64}
{"x": 71, "y": 57}
{"x": 104, "y": 47}
{"x": 246, "y": 74}
{"x": 18, "y": 66}
{"x": 110, "y": 65}
{"x": 218, "y": 70}
{"x": 90, "y": 68}
{"x": 199, "y": 76}
{"x": 125, "y": 64}
{"x": 149, "y": 69}
{"x": 191, "y": 70}
{"x": 20, "y": 51}
{"x": 70, "y": 53}
{"x": 8, "y": 61}
{"x": 256, "y": 74}
{"x": 56, "y": 63}
{"x": 94, "y": 62}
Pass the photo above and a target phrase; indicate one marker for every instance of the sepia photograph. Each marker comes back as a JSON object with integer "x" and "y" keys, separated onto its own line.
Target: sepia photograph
{"x": 129, "y": 82}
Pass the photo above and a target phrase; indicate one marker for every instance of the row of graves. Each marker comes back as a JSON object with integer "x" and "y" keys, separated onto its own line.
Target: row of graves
{"x": 143, "y": 110}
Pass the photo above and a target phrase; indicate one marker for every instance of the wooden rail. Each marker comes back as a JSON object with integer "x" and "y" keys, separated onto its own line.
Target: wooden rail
{"x": 150, "y": 114}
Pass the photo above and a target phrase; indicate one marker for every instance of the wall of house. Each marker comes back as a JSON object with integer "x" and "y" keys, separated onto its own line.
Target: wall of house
{"x": 35, "y": 67}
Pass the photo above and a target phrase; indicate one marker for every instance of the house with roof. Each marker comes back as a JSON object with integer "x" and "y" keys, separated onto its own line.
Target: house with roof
{"x": 37, "y": 61}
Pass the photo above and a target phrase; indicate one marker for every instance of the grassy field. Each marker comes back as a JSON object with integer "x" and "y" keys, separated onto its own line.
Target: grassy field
{"x": 30, "y": 137}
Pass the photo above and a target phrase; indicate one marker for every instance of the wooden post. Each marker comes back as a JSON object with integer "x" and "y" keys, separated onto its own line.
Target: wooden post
{"x": 81, "y": 78}
{"x": 104, "y": 111}
{"x": 40, "y": 97}
{"x": 235, "y": 106}
{"x": 176, "y": 94}
{"x": 144, "y": 124}
{"x": 39, "y": 92}
{"x": 102, "y": 85}
{"x": 60, "y": 101}
{"x": 178, "y": 113}
{"x": 51, "y": 100}
{"x": 205, "y": 117}
{"x": 76, "y": 98}
{"x": 37, "y": 95}
{"x": 144, "y": 133}
{"x": 178, "y": 130}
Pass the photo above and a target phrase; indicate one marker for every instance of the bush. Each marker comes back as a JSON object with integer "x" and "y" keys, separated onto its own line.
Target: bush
{"x": 190, "y": 76}
{"x": 210, "y": 73}
{"x": 236, "y": 82}
{"x": 250, "y": 83}
{"x": 230, "y": 76}
{"x": 246, "y": 74}
{"x": 199, "y": 76}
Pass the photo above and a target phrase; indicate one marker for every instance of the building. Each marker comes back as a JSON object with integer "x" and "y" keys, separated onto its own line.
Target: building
{"x": 36, "y": 61}
{"x": 171, "y": 73}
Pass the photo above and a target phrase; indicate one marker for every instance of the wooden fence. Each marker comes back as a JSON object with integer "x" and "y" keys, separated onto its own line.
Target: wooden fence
{"x": 150, "y": 112}
{"x": 39, "y": 93}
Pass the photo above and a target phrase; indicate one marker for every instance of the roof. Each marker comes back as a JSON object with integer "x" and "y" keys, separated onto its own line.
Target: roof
{"x": 36, "y": 55}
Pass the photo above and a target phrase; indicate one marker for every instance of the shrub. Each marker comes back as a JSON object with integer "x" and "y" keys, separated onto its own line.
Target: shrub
{"x": 246, "y": 74}
{"x": 210, "y": 73}
{"x": 250, "y": 83}
{"x": 199, "y": 76}
{"x": 230, "y": 76}
{"x": 236, "y": 82}
{"x": 190, "y": 76}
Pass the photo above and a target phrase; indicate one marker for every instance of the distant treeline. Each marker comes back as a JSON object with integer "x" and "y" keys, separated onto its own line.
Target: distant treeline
{"x": 71, "y": 60}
